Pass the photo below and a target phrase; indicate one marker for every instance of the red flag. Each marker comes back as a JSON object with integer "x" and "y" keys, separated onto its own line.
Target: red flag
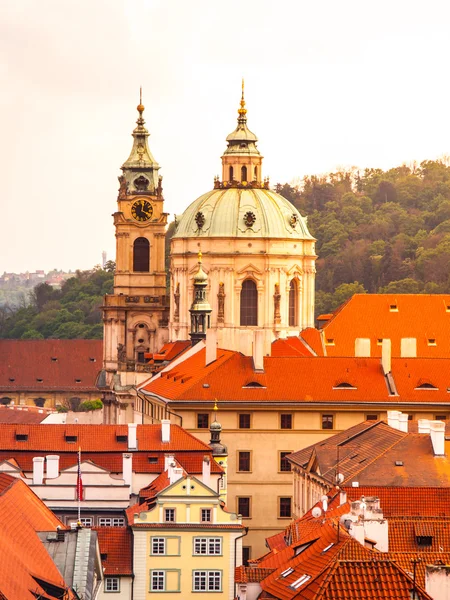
{"x": 79, "y": 480}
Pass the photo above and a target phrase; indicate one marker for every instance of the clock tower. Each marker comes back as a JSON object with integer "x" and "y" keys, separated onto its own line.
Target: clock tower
{"x": 135, "y": 316}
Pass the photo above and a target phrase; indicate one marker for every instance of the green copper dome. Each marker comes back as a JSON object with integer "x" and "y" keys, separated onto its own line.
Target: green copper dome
{"x": 242, "y": 213}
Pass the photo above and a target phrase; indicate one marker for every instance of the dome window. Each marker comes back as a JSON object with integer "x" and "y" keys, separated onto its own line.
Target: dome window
{"x": 243, "y": 174}
{"x": 231, "y": 174}
{"x": 249, "y": 304}
{"x": 141, "y": 255}
{"x": 293, "y": 302}
{"x": 200, "y": 220}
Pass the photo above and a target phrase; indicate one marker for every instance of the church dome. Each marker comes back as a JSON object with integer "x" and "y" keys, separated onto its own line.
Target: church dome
{"x": 242, "y": 213}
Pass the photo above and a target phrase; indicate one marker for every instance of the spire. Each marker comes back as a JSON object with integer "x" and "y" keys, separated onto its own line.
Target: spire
{"x": 242, "y": 134}
{"x": 242, "y": 111}
{"x": 141, "y": 160}
{"x": 200, "y": 309}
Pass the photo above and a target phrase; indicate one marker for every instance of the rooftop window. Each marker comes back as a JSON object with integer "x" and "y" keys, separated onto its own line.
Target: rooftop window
{"x": 426, "y": 386}
{"x": 344, "y": 385}
{"x": 432, "y": 342}
{"x": 393, "y": 308}
{"x": 21, "y": 437}
{"x": 300, "y": 581}
{"x": 54, "y": 359}
{"x": 327, "y": 548}
{"x": 287, "y": 572}
{"x": 71, "y": 439}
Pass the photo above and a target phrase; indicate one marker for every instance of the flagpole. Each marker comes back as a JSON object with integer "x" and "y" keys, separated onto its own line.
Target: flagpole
{"x": 79, "y": 486}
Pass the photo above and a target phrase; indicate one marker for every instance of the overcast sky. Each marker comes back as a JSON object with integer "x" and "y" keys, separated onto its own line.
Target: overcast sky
{"x": 328, "y": 84}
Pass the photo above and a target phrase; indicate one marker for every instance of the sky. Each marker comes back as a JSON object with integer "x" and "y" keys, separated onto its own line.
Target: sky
{"x": 328, "y": 85}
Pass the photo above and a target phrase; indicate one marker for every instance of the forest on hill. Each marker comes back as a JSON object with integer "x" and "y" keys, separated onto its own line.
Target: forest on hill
{"x": 74, "y": 311}
{"x": 378, "y": 232}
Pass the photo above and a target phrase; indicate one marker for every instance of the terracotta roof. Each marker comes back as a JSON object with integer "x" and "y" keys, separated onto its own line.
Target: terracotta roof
{"x": 6, "y": 481}
{"x": 171, "y": 350}
{"x": 24, "y": 557}
{"x": 407, "y": 501}
{"x": 117, "y": 544}
{"x": 373, "y": 316}
{"x": 250, "y": 575}
{"x": 291, "y": 346}
{"x": 23, "y": 414}
{"x": 314, "y": 339}
{"x": 73, "y": 361}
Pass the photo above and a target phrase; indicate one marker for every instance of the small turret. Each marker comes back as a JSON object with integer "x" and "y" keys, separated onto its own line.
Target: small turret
{"x": 200, "y": 309}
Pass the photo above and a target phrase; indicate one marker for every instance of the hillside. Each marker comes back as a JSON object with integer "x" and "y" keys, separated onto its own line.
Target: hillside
{"x": 380, "y": 232}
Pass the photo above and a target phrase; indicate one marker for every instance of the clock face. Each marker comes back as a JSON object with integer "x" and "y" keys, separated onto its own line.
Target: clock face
{"x": 141, "y": 210}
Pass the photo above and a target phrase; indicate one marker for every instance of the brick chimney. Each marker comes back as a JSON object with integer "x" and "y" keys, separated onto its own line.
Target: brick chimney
{"x": 165, "y": 431}
{"x": 206, "y": 470}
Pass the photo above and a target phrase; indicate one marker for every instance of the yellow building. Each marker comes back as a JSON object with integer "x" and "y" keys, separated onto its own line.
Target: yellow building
{"x": 186, "y": 542}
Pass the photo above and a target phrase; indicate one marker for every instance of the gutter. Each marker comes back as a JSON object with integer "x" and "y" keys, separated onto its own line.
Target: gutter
{"x": 235, "y": 560}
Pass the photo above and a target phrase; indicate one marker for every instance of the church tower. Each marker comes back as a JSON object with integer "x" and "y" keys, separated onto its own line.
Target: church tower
{"x": 135, "y": 315}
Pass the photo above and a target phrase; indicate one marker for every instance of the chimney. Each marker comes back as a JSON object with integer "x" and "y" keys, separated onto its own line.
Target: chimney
{"x": 258, "y": 350}
{"x": 127, "y": 468}
{"x": 211, "y": 346}
{"x": 408, "y": 347}
{"x": 52, "y": 466}
{"x": 206, "y": 470}
{"x": 403, "y": 422}
{"x": 165, "y": 431}
{"x": 393, "y": 418}
{"x": 362, "y": 347}
{"x": 38, "y": 470}
{"x": 132, "y": 436}
{"x": 342, "y": 497}
{"x": 437, "y": 432}
{"x": 386, "y": 356}
{"x": 168, "y": 459}
{"x": 424, "y": 426}
{"x": 175, "y": 475}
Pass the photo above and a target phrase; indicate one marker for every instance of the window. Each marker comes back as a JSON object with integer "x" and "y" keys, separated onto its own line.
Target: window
{"x": 255, "y": 174}
{"x": 5, "y": 401}
{"x": 244, "y": 461}
{"x": 169, "y": 515}
{"x": 327, "y": 421}
{"x": 207, "y": 581}
{"x": 243, "y": 173}
{"x": 440, "y": 418}
{"x": 285, "y": 421}
{"x": 141, "y": 255}
{"x": 285, "y": 508}
{"x": 249, "y": 303}
{"x": 371, "y": 417}
{"x": 111, "y": 522}
{"x": 157, "y": 581}
{"x": 39, "y": 402}
{"x": 86, "y": 521}
{"x": 231, "y": 176}
{"x": 293, "y": 295}
{"x": 285, "y": 465}
{"x": 112, "y": 584}
{"x": 158, "y": 545}
{"x": 141, "y": 357}
{"x": 208, "y": 546}
{"x": 202, "y": 421}
{"x": 244, "y": 421}
{"x": 206, "y": 515}
{"x": 246, "y": 555}
{"x": 432, "y": 342}
{"x": 244, "y": 507}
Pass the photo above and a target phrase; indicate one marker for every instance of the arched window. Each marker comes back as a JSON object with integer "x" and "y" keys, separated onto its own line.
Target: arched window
{"x": 293, "y": 300}
{"x": 231, "y": 177}
{"x": 255, "y": 178}
{"x": 39, "y": 402}
{"x": 249, "y": 303}
{"x": 5, "y": 401}
{"x": 141, "y": 255}
{"x": 243, "y": 173}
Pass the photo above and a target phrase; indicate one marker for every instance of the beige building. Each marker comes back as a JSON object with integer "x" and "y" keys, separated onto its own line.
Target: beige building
{"x": 257, "y": 252}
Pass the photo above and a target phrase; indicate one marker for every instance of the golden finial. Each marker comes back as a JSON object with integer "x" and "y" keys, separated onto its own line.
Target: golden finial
{"x": 200, "y": 256}
{"x": 215, "y": 404}
{"x": 140, "y": 107}
{"x": 242, "y": 111}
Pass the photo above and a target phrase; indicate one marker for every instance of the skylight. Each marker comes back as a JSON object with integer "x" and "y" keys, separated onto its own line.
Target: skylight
{"x": 299, "y": 582}
{"x": 287, "y": 572}
{"x": 328, "y": 547}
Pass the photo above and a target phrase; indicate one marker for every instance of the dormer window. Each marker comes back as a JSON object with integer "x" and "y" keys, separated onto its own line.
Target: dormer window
{"x": 432, "y": 342}
{"x": 344, "y": 385}
{"x": 54, "y": 359}
{"x": 92, "y": 359}
{"x": 77, "y": 380}
{"x": 39, "y": 379}
{"x": 71, "y": 439}
{"x": 329, "y": 342}
{"x": 426, "y": 385}
{"x": 21, "y": 437}
{"x": 393, "y": 308}
{"x": 254, "y": 385}
{"x": 121, "y": 438}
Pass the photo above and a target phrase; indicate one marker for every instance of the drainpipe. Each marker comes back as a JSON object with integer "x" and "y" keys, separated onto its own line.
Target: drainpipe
{"x": 235, "y": 560}
{"x": 218, "y": 484}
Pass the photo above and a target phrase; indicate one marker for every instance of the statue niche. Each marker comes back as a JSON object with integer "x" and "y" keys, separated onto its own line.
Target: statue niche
{"x": 276, "y": 303}
{"x": 221, "y": 304}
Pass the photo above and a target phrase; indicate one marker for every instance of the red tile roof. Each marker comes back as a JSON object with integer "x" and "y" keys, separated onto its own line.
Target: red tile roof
{"x": 73, "y": 361}
{"x": 370, "y": 316}
{"x": 291, "y": 346}
{"x": 23, "y": 414}
{"x": 23, "y": 554}
{"x": 100, "y": 445}
{"x": 407, "y": 501}
{"x": 117, "y": 544}
{"x": 171, "y": 350}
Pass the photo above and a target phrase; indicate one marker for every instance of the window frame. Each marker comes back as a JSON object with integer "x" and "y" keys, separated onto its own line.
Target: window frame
{"x": 159, "y": 573}
{"x": 326, "y": 415}
{"x": 249, "y": 415}
{"x": 249, "y": 498}
{"x": 207, "y": 511}
{"x": 210, "y": 543}
{"x": 198, "y": 420}
{"x": 248, "y": 310}
{"x": 280, "y": 461}
{"x": 111, "y": 522}
{"x": 108, "y": 580}
{"x": 207, "y": 573}
{"x": 291, "y": 421}
{"x": 174, "y": 520}
{"x": 238, "y": 469}
{"x": 158, "y": 540}
{"x": 280, "y": 498}
{"x": 246, "y": 550}
{"x": 140, "y": 257}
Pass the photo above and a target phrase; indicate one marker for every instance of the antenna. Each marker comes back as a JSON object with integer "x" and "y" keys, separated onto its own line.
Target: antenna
{"x": 140, "y": 95}
{"x": 316, "y": 512}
